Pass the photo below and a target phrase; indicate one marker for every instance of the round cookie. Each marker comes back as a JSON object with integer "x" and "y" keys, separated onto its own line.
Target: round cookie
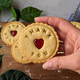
{"x": 11, "y": 31}
{"x": 17, "y": 55}
{"x": 76, "y": 24}
{"x": 38, "y": 42}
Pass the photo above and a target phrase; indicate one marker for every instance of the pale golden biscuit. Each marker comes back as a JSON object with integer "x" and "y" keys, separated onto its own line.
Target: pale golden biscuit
{"x": 17, "y": 55}
{"x": 76, "y": 24}
{"x": 46, "y": 39}
{"x": 11, "y": 31}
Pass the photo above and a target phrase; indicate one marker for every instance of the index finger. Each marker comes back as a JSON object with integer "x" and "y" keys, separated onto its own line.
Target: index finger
{"x": 57, "y": 22}
{"x": 62, "y": 24}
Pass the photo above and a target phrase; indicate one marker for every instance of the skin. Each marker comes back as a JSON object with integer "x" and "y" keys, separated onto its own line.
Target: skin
{"x": 71, "y": 37}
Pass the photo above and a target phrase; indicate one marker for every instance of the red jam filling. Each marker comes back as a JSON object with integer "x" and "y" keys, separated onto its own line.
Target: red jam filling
{"x": 39, "y": 43}
{"x": 13, "y": 33}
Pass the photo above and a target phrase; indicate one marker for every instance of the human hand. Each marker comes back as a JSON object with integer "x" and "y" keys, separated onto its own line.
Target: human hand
{"x": 71, "y": 37}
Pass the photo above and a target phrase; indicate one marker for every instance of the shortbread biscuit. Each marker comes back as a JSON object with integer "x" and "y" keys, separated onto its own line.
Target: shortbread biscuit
{"x": 11, "y": 31}
{"x": 17, "y": 55}
{"x": 76, "y": 24}
{"x": 38, "y": 42}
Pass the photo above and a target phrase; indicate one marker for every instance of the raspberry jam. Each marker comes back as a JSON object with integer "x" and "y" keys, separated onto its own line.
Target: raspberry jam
{"x": 39, "y": 43}
{"x": 13, "y": 33}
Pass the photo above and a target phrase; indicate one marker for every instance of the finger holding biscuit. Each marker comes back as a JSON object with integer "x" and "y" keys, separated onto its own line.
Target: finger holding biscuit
{"x": 71, "y": 38}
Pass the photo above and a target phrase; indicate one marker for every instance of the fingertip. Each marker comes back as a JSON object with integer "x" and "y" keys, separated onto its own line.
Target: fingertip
{"x": 43, "y": 19}
{"x": 36, "y": 19}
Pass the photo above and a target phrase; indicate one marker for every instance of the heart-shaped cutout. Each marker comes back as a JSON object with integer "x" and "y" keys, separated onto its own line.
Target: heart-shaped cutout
{"x": 13, "y": 33}
{"x": 39, "y": 43}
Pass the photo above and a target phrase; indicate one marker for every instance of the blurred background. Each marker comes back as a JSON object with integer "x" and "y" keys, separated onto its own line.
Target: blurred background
{"x": 57, "y": 8}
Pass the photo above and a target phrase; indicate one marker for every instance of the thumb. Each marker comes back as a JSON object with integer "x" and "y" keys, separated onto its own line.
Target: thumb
{"x": 62, "y": 62}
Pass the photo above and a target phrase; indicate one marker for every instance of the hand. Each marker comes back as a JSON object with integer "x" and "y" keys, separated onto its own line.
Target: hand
{"x": 71, "y": 37}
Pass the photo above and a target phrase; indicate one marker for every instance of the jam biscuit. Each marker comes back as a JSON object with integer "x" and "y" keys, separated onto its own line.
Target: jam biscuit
{"x": 17, "y": 55}
{"x": 76, "y": 24}
{"x": 38, "y": 42}
{"x": 11, "y": 31}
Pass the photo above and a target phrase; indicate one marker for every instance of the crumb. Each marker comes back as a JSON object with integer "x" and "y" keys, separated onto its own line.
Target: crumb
{"x": 4, "y": 49}
{"x": 59, "y": 71}
{"x": 10, "y": 64}
{"x": 26, "y": 70}
{"x": 30, "y": 74}
{"x": 67, "y": 77}
{"x": 39, "y": 75}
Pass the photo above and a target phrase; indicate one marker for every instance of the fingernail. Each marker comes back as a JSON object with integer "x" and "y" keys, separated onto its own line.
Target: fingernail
{"x": 47, "y": 65}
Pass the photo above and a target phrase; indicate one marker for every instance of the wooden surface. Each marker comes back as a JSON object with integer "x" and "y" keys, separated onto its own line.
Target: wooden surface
{"x": 35, "y": 71}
